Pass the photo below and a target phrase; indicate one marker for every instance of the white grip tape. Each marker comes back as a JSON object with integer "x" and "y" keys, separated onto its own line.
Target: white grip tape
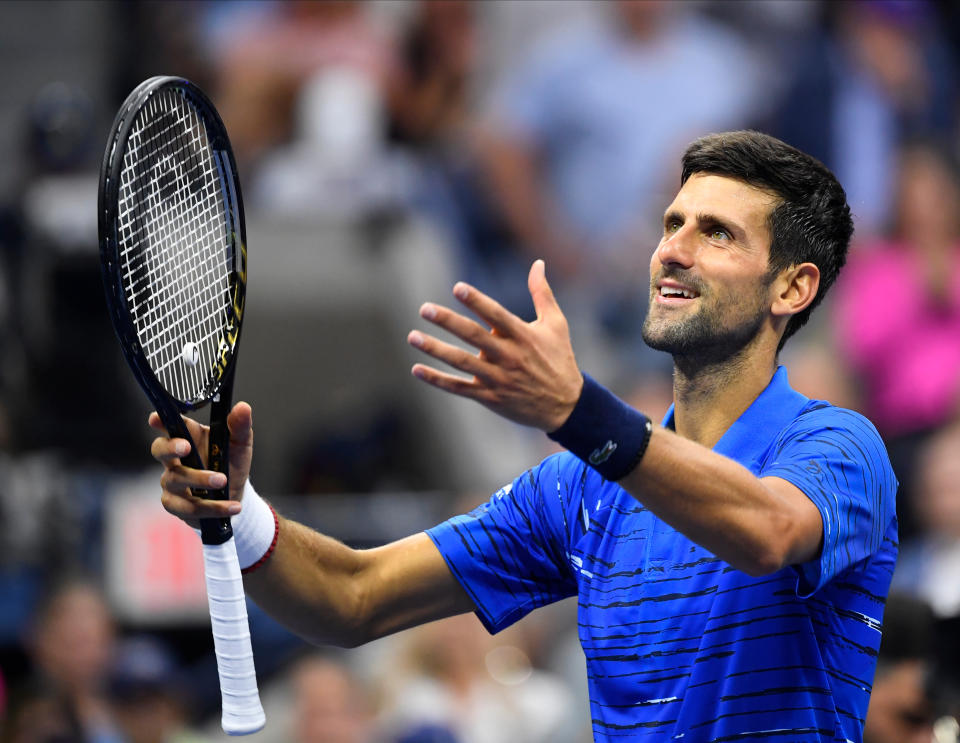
{"x": 242, "y": 711}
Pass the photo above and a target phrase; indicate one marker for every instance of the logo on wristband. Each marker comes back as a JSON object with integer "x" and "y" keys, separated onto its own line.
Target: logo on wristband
{"x": 602, "y": 454}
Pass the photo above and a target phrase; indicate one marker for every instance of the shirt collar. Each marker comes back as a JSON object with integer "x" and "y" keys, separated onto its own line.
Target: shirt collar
{"x": 756, "y": 428}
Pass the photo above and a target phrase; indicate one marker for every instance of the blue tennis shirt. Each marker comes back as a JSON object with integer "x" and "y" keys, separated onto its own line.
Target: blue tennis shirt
{"x": 680, "y": 646}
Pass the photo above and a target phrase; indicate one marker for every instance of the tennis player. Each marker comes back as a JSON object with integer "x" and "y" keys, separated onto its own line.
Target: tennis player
{"x": 731, "y": 564}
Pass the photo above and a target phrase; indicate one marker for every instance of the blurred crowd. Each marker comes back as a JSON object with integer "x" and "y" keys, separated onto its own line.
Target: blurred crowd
{"x": 89, "y": 681}
{"x": 510, "y": 130}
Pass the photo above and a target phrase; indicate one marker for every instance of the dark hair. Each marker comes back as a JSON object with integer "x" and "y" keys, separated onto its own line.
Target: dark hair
{"x": 811, "y": 223}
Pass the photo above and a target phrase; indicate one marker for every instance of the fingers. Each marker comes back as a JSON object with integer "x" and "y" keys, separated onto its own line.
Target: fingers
{"x": 543, "y": 300}
{"x": 190, "y": 509}
{"x": 179, "y": 480}
{"x": 181, "y": 484}
{"x": 240, "y": 423}
{"x": 501, "y": 320}
{"x": 178, "y": 484}
{"x": 492, "y": 312}
{"x": 196, "y": 429}
{"x": 169, "y": 451}
{"x": 525, "y": 372}
{"x": 455, "y": 356}
{"x": 462, "y": 327}
{"x": 449, "y": 382}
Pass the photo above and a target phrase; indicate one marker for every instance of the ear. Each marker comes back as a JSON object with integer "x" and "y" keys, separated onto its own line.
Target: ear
{"x": 795, "y": 288}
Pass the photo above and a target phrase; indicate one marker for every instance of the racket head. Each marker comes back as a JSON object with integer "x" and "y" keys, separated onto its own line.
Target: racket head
{"x": 170, "y": 202}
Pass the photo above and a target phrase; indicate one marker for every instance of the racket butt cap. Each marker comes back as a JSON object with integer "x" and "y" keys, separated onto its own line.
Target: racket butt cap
{"x": 245, "y": 725}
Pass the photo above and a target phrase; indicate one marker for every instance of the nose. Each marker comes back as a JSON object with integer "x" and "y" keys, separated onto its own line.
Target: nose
{"x": 678, "y": 248}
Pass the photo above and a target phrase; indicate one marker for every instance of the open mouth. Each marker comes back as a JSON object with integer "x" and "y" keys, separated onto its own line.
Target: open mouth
{"x": 671, "y": 293}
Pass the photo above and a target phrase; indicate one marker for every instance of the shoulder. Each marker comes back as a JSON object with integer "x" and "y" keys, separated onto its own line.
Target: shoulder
{"x": 822, "y": 416}
{"x": 556, "y": 490}
{"x": 842, "y": 437}
{"x": 560, "y": 475}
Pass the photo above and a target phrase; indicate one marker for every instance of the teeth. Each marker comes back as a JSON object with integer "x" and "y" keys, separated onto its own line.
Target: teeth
{"x": 669, "y": 291}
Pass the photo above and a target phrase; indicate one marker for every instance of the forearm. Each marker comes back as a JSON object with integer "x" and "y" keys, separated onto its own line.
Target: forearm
{"x": 331, "y": 594}
{"x": 722, "y": 506}
{"x": 311, "y": 584}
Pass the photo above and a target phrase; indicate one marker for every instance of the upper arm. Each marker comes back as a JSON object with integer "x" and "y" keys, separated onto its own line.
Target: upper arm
{"x": 511, "y": 553}
{"x": 406, "y": 583}
{"x": 838, "y": 461}
{"x": 805, "y": 526}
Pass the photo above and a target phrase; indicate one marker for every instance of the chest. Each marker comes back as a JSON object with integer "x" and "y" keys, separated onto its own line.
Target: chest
{"x": 656, "y": 610}
{"x": 638, "y": 578}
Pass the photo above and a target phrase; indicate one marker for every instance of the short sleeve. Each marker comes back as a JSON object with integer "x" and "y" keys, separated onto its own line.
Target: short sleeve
{"x": 837, "y": 458}
{"x": 510, "y": 554}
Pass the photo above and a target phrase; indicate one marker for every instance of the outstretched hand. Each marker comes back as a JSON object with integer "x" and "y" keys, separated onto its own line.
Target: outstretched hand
{"x": 178, "y": 479}
{"x": 525, "y": 372}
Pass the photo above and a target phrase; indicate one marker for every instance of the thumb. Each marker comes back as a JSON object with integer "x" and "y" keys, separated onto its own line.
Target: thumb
{"x": 543, "y": 300}
{"x": 240, "y": 423}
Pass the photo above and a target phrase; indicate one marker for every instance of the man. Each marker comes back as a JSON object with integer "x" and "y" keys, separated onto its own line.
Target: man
{"x": 731, "y": 565}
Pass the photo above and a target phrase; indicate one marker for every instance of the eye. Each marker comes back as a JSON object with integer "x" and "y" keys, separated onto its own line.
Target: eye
{"x": 718, "y": 233}
{"x": 670, "y": 227}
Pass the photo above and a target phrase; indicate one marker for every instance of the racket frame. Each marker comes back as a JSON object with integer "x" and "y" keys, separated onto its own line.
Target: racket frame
{"x": 168, "y": 407}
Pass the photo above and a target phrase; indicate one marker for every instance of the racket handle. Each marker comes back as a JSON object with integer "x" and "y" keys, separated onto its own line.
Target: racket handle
{"x": 242, "y": 711}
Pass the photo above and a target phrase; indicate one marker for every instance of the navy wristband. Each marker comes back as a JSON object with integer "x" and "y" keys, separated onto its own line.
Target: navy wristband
{"x": 605, "y": 432}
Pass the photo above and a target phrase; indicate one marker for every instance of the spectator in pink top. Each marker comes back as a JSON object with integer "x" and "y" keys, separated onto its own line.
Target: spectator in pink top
{"x": 899, "y": 305}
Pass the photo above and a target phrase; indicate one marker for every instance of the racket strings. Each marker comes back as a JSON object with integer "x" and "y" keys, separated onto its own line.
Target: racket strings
{"x": 164, "y": 226}
{"x": 176, "y": 253}
{"x": 138, "y": 286}
{"x": 193, "y": 292}
{"x": 152, "y": 226}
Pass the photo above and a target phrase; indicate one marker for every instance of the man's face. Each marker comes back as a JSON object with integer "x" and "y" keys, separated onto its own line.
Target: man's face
{"x": 709, "y": 277}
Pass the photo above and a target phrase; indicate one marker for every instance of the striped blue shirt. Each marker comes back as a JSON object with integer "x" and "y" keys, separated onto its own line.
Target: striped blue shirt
{"x": 680, "y": 646}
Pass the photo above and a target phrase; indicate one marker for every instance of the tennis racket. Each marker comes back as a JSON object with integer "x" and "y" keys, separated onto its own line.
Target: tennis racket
{"x": 174, "y": 264}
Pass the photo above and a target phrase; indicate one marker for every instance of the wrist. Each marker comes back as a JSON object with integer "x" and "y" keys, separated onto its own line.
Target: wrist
{"x": 605, "y": 432}
{"x": 565, "y": 409}
{"x": 255, "y": 530}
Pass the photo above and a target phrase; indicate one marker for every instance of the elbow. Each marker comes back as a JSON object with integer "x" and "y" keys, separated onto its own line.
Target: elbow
{"x": 344, "y": 633}
{"x": 338, "y": 631}
{"x": 789, "y": 531}
{"x": 763, "y": 561}
{"x": 768, "y": 552}
{"x": 337, "y": 639}
{"x": 356, "y": 617}
{"x": 347, "y": 623}
{"x": 351, "y": 639}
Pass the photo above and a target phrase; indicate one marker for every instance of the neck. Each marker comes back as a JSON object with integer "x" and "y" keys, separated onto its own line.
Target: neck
{"x": 709, "y": 396}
